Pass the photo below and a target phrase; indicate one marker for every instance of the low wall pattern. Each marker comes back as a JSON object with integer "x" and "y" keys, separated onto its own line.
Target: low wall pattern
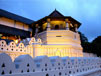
{"x": 25, "y": 65}
{"x": 14, "y": 50}
{"x": 33, "y": 47}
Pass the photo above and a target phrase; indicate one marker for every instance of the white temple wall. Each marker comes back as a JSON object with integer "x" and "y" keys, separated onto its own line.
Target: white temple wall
{"x": 60, "y": 43}
{"x": 25, "y": 65}
{"x": 36, "y": 48}
{"x": 13, "y": 50}
{"x": 59, "y": 37}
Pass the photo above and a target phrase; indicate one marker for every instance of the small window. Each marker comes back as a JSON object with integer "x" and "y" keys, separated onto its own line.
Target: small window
{"x": 1, "y": 48}
{"x": 21, "y": 71}
{"x": 27, "y": 65}
{"x": 45, "y": 64}
{"x": 46, "y": 69}
{"x": 3, "y": 65}
{"x": 28, "y": 70}
{"x": 60, "y": 74}
{"x": 69, "y": 72}
{"x": 3, "y": 72}
{"x": 10, "y": 72}
{"x": 58, "y": 36}
{"x": 56, "y": 27}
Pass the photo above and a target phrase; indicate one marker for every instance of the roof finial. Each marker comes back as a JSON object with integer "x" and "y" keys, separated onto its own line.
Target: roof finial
{"x": 55, "y": 9}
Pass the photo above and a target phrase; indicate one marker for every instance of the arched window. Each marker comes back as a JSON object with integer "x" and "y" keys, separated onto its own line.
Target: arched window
{"x": 56, "y": 27}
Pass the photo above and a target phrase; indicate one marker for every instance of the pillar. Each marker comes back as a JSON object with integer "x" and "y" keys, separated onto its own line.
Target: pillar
{"x": 76, "y": 27}
{"x": 48, "y": 24}
{"x": 36, "y": 50}
{"x": 67, "y": 26}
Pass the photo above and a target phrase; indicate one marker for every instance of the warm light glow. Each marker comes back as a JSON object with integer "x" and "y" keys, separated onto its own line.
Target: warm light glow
{"x": 60, "y": 43}
{"x": 16, "y": 41}
{"x": 53, "y": 23}
{"x": 58, "y": 53}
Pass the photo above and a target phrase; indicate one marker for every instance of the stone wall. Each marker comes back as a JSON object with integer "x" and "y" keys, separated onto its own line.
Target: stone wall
{"x": 25, "y": 65}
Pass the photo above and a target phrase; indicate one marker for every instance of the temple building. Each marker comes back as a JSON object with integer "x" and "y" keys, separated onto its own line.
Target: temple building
{"x": 54, "y": 48}
{"x": 59, "y": 36}
{"x": 53, "y": 35}
{"x": 13, "y": 27}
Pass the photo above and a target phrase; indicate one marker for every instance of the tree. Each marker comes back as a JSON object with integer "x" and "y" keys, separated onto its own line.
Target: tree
{"x": 84, "y": 43}
{"x": 83, "y": 37}
{"x": 93, "y": 47}
{"x": 96, "y": 46}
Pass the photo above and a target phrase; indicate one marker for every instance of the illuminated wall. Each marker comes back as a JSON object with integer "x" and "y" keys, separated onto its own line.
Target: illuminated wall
{"x": 12, "y": 23}
{"x": 59, "y": 43}
{"x": 14, "y": 50}
{"x": 61, "y": 24}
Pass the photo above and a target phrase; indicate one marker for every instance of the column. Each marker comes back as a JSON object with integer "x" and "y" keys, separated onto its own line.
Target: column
{"x": 76, "y": 27}
{"x": 48, "y": 24}
{"x": 67, "y": 25}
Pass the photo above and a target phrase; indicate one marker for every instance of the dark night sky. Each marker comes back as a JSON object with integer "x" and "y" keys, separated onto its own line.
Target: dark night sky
{"x": 88, "y": 12}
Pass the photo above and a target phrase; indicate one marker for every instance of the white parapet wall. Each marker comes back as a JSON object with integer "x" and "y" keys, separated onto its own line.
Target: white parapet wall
{"x": 14, "y": 50}
{"x": 35, "y": 47}
{"x": 25, "y": 65}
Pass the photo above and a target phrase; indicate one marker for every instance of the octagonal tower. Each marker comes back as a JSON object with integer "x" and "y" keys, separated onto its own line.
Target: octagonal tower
{"x": 59, "y": 36}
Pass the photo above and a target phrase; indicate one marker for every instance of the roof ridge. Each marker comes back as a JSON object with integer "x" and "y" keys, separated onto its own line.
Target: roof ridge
{"x": 56, "y": 13}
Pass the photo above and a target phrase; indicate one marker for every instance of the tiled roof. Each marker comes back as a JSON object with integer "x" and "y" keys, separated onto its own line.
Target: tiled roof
{"x": 15, "y": 17}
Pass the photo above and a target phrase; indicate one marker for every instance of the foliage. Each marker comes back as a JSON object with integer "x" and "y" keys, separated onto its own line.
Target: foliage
{"x": 84, "y": 42}
{"x": 96, "y": 45}
{"x": 83, "y": 38}
{"x": 93, "y": 47}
